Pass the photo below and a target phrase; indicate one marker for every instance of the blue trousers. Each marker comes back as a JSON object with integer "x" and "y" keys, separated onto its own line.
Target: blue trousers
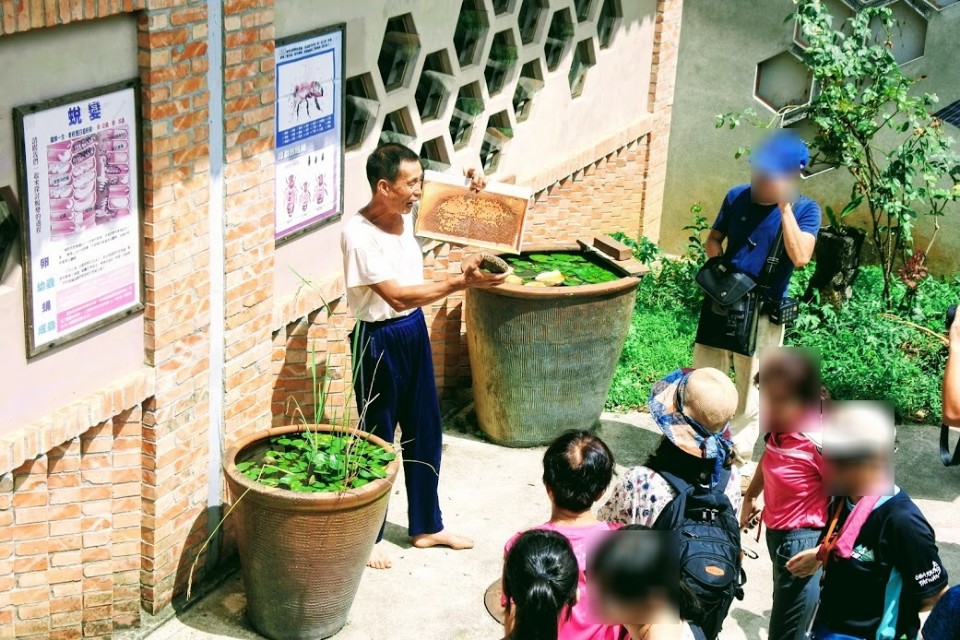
{"x": 794, "y": 599}
{"x": 395, "y": 385}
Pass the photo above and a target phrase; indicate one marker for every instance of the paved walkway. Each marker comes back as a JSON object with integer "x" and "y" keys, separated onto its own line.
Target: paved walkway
{"x": 491, "y": 492}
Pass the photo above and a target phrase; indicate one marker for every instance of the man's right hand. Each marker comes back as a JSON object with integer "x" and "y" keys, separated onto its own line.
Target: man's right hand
{"x": 476, "y": 278}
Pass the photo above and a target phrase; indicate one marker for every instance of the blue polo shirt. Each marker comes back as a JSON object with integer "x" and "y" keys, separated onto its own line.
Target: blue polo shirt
{"x": 739, "y": 215}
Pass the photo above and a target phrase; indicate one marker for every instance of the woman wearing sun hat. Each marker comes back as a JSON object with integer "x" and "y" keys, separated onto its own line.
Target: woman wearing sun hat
{"x": 690, "y": 488}
{"x": 693, "y": 408}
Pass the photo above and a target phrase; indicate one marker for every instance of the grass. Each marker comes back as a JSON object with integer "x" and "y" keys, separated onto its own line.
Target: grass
{"x": 866, "y": 353}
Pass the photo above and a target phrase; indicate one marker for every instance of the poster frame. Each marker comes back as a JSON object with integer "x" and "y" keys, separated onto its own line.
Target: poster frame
{"x": 341, "y": 104}
{"x": 21, "y": 112}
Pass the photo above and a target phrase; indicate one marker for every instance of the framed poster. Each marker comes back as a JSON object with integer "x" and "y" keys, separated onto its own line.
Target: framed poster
{"x": 309, "y": 131}
{"x": 493, "y": 218}
{"x": 78, "y": 159}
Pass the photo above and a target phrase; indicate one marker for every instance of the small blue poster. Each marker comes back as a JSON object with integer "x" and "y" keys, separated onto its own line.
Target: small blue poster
{"x": 309, "y": 131}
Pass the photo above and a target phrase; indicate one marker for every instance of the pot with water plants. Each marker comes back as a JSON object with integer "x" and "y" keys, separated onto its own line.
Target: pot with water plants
{"x": 307, "y": 503}
{"x": 303, "y": 545}
{"x": 544, "y": 346}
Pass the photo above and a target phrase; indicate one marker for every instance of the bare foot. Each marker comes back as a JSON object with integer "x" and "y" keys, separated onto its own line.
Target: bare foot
{"x": 379, "y": 558}
{"x": 442, "y": 539}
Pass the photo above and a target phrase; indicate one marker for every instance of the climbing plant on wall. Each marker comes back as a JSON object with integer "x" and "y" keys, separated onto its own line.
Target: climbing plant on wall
{"x": 872, "y": 120}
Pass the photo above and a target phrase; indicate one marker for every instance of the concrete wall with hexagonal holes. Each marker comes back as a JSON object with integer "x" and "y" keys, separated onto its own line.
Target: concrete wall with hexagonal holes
{"x": 740, "y": 53}
{"x": 522, "y": 88}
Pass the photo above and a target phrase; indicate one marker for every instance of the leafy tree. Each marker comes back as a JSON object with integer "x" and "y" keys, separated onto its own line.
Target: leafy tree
{"x": 871, "y": 122}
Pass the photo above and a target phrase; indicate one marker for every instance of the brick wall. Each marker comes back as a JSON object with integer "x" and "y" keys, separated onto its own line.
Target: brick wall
{"x": 70, "y": 550}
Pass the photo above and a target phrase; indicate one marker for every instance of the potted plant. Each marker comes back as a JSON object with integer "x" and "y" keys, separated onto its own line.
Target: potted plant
{"x": 307, "y": 503}
{"x": 837, "y": 256}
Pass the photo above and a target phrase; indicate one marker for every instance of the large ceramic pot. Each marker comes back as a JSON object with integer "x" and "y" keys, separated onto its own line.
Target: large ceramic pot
{"x": 302, "y": 554}
{"x": 542, "y": 359}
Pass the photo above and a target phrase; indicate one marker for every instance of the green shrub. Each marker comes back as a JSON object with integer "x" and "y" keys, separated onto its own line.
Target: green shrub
{"x": 866, "y": 353}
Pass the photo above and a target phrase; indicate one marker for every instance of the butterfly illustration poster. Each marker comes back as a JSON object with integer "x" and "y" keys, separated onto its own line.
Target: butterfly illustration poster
{"x": 309, "y": 131}
{"x": 493, "y": 218}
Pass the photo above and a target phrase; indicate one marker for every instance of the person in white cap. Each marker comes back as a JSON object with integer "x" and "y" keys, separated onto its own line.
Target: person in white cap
{"x": 877, "y": 545}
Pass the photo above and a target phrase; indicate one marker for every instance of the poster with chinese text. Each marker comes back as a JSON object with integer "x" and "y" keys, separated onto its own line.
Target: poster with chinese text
{"x": 80, "y": 196}
{"x": 309, "y": 131}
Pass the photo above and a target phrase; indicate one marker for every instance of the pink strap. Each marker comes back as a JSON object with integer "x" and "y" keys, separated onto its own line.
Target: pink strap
{"x": 843, "y": 546}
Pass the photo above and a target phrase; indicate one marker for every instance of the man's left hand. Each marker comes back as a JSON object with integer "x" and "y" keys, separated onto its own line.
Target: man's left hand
{"x": 478, "y": 180}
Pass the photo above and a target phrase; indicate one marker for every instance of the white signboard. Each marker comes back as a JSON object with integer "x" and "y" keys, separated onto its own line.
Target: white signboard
{"x": 309, "y": 131}
{"x": 80, "y": 197}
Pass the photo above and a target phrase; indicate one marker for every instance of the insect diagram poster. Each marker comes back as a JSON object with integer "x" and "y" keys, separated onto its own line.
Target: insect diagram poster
{"x": 80, "y": 196}
{"x": 309, "y": 131}
{"x": 491, "y": 219}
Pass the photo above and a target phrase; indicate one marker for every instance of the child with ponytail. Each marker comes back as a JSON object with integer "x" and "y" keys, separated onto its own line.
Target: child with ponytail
{"x": 540, "y": 578}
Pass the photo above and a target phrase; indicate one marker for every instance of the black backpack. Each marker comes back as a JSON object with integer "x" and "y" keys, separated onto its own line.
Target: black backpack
{"x": 710, "y": 552}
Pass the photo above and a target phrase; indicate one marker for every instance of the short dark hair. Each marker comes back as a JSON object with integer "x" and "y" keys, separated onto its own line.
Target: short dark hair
{"x": 384, "y": 163}
{"x": 577, "y": 468}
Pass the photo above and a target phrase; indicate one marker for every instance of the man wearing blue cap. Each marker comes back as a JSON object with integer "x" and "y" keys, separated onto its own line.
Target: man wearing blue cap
{"x": 749, "y": 221}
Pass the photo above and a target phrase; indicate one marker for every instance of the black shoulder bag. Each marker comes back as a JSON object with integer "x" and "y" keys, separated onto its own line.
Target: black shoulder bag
{"x": 732, "y": 325}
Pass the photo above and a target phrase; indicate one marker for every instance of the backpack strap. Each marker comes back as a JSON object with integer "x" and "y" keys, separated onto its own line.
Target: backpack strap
{"x": 945, "y": 448}
{"x": 673, "y": 514}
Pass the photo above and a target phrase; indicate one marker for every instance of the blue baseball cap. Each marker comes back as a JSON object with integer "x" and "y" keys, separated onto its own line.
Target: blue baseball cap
{"x": 781, "y": 154}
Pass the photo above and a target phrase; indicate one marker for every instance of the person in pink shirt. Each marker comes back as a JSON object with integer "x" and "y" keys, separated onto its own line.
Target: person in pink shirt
{"x": 577, "y": 468}
{"x": 790, "y": 479}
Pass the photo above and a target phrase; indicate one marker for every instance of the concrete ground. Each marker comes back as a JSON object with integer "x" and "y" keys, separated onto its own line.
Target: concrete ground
{"x": 489, "y": 493}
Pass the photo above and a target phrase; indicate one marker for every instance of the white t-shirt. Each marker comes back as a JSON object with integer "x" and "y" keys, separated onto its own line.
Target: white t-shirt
{"x": 371, "y": 256}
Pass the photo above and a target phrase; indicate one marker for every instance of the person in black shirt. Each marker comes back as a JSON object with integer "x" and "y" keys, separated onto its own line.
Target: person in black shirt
{"x": 885, "y": 572}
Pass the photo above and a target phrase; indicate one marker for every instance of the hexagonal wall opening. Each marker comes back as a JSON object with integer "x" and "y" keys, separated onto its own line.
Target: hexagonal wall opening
{"x": 559, "y": 37}
{"x": 398, "y": 127}
{"x": 584, "y": 8}
{"x": 398, "y": 54}
{"x": 502, "y": 7}
{"x": 584, "y": 57}
{"x": 608, "y": 22}
{"x": 435, "y": 86}
{"x": 501, "y": 61}
{"x": 907, "y": 38}
{"x": 528, "y": 85}
{"x": 530, "y": 19}
{"x": 468, "y": 35}
{"x": 783, "y": 81}
{"x": 840, "y": 12}
{"x": 498, "y": 133}
{"x": 466, "y": 110}
{"x": 434, "y": 155}
{"x": 361, "y": 109}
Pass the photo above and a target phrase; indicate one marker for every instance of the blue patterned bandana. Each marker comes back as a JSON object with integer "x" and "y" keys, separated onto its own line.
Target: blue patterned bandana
{"x": 666, "y": 407}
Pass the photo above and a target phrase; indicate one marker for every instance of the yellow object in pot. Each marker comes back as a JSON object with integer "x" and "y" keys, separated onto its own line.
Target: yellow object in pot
{"x": 536, "y": 284}
{"x": 513, "y": 279}
{"x": 550, "y": 278}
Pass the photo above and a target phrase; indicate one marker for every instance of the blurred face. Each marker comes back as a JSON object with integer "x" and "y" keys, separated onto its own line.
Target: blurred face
{"x": 405, "y": 191}
{"x": 863, "y": 477}
{"x": 779, "y": 410}
{"x": 771, "y": 190}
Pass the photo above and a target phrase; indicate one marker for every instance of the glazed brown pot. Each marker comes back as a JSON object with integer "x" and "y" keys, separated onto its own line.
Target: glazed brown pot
{"x": 543, "y": 358}
{"x": 302, "y": 554}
